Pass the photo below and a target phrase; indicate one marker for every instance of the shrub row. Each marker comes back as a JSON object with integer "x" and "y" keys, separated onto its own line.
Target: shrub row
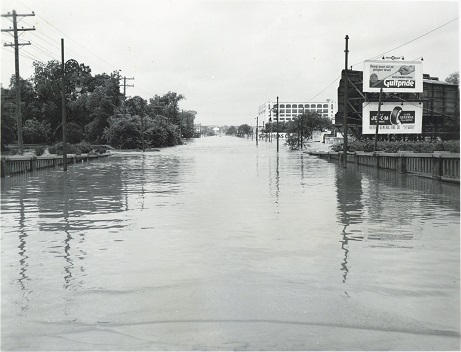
{"x": 395, "y": 146}
{"x": 78, "y": 148}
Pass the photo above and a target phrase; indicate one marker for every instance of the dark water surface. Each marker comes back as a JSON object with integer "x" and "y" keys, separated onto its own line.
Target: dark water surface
{"x": 221, "y": 245}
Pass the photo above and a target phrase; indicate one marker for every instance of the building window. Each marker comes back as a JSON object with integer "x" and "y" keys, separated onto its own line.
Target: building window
{"x": 282, "y": 105}
{"x": 325, "y": 106}
{"x": 319, "y": 106}
{"x": 288, "y": 106}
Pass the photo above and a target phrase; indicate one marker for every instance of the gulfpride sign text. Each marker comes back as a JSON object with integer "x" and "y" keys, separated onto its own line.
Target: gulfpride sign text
{"x": 393, "y": 76}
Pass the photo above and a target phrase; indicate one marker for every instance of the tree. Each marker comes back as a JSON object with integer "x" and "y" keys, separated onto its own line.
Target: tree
{"x": 136, "y": 106}
{"x": 123, "y": 132}
{"x": 101, "y": 105}
{"x": 231, "y": 131}
{"x": 306, "y": 124}
{"x": 36, "y": 132}
{"x": 8, "y": 117}
{"x": 47, "y": 83}
{"x": 166, "y": 105}
{"x": 453, "y": 78}
{"x": 244, "y": 130}
{"x": 187, "y": 123}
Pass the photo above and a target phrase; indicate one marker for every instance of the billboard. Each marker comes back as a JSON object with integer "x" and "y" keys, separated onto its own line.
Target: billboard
{"x": 394, "y": 118}
{"x": 393, "y": 76}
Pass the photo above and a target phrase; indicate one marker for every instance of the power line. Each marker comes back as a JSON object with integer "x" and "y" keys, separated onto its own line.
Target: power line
{"x": 83, "y": 46}
{"x": 411, "y": 41}
{"x": 22, "y": 55}
{"x": 336, "y": 79}
{"x": 421, "y": 36}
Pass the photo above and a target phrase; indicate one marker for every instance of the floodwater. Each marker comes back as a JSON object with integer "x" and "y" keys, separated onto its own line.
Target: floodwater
{"x": 222, "y": 245}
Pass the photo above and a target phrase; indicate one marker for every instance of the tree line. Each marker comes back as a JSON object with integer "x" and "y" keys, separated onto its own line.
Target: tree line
{"x": 98, "y": 114}
{"x": 304, "y": 125}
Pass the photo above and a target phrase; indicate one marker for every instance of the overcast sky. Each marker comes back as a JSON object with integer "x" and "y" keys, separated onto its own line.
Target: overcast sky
{"x": 229, "y": 57}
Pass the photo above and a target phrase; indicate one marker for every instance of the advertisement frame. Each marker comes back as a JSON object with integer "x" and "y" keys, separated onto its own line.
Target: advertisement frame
{"x": 395, "y": 118}
{"x": 393, "y": 76}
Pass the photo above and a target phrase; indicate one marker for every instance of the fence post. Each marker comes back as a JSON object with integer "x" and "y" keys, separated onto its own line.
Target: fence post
{"x": 402, "y": 164}
{"x": 376, "y": 155}
{"x": 437, "y": 167}
{"x": 5, "y": 167}
{"x": 33, "y": 163}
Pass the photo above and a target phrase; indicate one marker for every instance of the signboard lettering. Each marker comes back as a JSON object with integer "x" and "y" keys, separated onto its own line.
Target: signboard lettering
{"x": 397, "y": 77}
{"x": 393, "y": 118}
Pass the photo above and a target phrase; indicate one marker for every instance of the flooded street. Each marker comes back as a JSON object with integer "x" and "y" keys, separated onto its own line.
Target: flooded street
{"x": 222, "y": 245}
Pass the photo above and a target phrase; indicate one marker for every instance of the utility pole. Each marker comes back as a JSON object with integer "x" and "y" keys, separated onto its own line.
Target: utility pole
{"x": 180, "y": 122}
{"x": 277, "y": 124}
{"x": 257, "y": 122}
{"x": 345, "y": 105}
{"x": 63, "y": 109}
{"x": 302, "y": 117}
{"x": 16, "y": 45}
{"x": 124, "y": 92}
{"x": 270, "y": 122}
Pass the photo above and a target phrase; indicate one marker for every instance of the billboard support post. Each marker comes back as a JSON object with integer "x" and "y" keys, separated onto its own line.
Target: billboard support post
{"x": 377, "y": 120}
{"x": 345, "y": 105}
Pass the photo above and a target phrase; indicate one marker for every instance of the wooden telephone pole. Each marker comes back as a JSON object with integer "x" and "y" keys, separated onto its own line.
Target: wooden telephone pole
{"x": 16, "y": 45}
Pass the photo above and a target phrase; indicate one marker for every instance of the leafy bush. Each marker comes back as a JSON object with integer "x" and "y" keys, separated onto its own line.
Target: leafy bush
{"x": 71, "y": 149}
{"x": 35, "y": 131}
{"x": 124, "y": 132}
{"x": 100, "y": 149}
{"x": 75, "y": 133}
{"x": 56, "y": 148}
{"x": 39, "y": 150}
{"x": 395, "y": 146}
{"x": 292, "y": 140}
{"x": 84, "y": 147}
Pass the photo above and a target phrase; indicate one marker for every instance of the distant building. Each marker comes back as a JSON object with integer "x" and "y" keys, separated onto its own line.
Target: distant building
{"x": 289, "y": 110}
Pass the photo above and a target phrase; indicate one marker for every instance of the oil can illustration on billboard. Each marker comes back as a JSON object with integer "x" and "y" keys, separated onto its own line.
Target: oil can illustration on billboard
{"x": 402, "y": 76}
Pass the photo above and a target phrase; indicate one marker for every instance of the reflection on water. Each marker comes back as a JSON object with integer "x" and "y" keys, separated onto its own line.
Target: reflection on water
{"x": 219, "y": 244}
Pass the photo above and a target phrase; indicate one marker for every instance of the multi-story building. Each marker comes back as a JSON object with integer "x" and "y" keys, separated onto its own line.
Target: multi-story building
{"x": 290, "y": 110}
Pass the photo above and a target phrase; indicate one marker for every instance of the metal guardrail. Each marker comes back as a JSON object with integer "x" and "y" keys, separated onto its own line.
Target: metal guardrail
{"x": 442, "y": 166}
{"x": 19, "y": 164}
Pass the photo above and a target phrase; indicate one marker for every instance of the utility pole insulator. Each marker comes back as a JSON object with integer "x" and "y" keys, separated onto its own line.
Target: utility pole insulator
{"x": 124, "y": 91}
